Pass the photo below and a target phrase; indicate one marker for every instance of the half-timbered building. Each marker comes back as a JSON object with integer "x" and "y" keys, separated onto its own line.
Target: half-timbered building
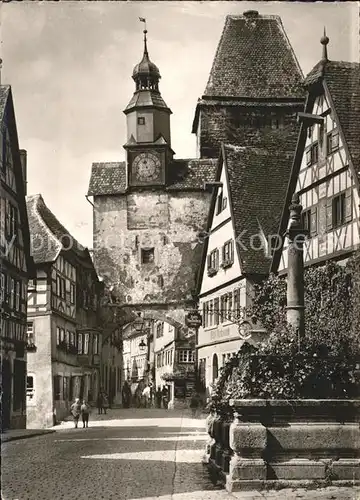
{"x": 15, "y": 264}
{"x": 326, "y": 167}
{"x": 64, "y": 338}
{"x": 246, "y": 206}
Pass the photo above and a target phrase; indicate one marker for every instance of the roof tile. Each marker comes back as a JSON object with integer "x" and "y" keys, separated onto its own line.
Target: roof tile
{"x": 254, "y": 59}
{"x": 258, "y": 181}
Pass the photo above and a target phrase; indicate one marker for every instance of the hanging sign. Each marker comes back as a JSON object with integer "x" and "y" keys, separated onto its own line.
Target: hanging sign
{"x": 193, "y": 319}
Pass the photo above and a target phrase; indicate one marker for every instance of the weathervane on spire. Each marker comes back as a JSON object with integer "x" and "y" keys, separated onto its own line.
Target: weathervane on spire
{"x": 143, "y": 20}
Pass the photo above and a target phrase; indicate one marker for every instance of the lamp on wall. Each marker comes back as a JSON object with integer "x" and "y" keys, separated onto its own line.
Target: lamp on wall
{"x": 142, "y": 345}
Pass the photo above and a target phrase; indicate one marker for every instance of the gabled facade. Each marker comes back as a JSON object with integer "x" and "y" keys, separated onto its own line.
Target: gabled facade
{"x": 63, "y": 335}
{"x": 243, "y": 219}
{"x": 15, "y": 265}
{"x": 224, "y": 289}
{"x": 326, "y": 165}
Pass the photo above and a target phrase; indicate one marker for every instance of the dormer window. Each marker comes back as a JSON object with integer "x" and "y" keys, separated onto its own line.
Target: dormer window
{"x": 141, "y": 120}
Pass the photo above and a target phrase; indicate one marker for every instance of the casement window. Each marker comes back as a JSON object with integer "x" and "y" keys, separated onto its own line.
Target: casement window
{"x": 11, "y": 220}
{"x": 186, "y": 356}
{"x": 96, "y": 344}
{"x": 147, "y": 255}
{"x": 213, "y": 262}
{"x": 228, "y": 253}
{"x": 80, "y": 343}
{"x": 159, "y": 330}
{"x": 312, "y": 154}
{"x": 339, "y": 210}
{"x": 226, "y": 307}
{"x": 216, "y": 311}
{"x": 219, "y": 202}
{"x": 141, "y": 120}
{"x": 30, "y": 334}
{"x": 332, "y": 141}
{"x": 86, "y": 343}
{"x": 237, "y": 308}
{"x": 310, "y": 220}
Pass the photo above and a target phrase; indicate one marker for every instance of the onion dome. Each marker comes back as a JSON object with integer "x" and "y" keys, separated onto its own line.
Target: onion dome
{"x": 146, "y": 74}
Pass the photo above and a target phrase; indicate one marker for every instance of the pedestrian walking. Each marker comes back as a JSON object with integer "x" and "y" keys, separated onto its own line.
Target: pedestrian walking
{"x": 75, "y": 411}
{"x": 158, "y": 398}
{"x": 85, "y": 412}
{"x": 146, "y": 395}
{"x": 100, "y": 403}
{"x": 194, "y": 403}
{"x": 164, "y": 397}
{"x": 105, "y": 400}
{"x": 126, "y": 394}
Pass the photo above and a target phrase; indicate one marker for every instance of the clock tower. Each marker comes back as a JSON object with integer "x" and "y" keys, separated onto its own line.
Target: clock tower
{"x": 148, "y": 143}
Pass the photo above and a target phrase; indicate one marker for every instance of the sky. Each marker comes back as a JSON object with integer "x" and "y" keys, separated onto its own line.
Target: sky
{"x": 70, "y": 65}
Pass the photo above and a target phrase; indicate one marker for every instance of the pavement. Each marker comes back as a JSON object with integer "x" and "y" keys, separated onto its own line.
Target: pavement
{"x": 15, "y": 434}
{"x": 129, "y": 454}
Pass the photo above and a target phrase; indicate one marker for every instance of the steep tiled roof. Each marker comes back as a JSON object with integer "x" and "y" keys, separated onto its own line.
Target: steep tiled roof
{"x": 254, "y": 59}
{"x": 191, "y": 174}
{"x": 107, "y": 178}
{"x": 110, "y": 178}
{"x": 4, "y": 92}
{"x": 343, "y": 82}
{"x": 146, "y": 98}
{"x": 258, "y": 181}
{"x": 48, "y": 235}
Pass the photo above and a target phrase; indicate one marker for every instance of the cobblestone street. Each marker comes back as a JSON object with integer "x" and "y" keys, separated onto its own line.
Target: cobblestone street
{"x": 127, "y": 455}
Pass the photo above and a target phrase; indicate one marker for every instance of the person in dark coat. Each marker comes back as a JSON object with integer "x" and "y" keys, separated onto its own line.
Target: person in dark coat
{"x": 100, "y": 403}
{"x": 158, "y": 398}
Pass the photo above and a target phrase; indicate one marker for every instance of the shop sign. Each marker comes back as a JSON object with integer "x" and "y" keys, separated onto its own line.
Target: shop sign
{"x": 193, "y": 319}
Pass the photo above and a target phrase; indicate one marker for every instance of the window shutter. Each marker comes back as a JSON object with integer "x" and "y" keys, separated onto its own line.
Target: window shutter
{"x": 217, "y": 259}
{"x": 329, "y": 214}
{"x": 216, "y": 311}
{"x": 208, "y": 261}
{"x": 231, "y": 251}
{"x": 313, "y": 221}
{"x": 348, "y": 205}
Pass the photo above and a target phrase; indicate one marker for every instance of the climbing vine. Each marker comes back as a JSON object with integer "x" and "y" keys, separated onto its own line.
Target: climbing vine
{"x": 322, "y": 364}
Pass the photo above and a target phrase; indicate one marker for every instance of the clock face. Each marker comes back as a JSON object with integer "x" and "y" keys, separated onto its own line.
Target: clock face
{"x": 146, "y": 167}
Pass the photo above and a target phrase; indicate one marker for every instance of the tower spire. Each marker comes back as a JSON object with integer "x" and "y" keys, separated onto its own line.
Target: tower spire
{"x": 324, "y": 41}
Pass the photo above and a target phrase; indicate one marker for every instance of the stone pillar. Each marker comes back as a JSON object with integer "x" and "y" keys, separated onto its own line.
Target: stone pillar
{"x": 295, "y": 278}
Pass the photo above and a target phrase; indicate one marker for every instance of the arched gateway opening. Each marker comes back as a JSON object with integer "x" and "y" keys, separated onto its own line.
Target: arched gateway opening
{"x": 158, "y": 351}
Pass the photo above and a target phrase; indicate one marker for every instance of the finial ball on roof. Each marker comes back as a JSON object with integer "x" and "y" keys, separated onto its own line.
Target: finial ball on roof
{"x": 324, "y": 40}
{"x": 251, "y": 13}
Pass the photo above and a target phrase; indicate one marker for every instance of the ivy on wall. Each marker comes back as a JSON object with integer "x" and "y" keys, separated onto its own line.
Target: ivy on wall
{"x": 322, "y": 364}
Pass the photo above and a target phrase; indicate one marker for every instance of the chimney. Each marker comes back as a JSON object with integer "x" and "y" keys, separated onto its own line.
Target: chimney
{"x": 23, "y": 159}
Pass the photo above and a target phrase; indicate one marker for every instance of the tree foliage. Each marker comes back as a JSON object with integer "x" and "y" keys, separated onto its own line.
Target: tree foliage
{"x": 323, "y": 364}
